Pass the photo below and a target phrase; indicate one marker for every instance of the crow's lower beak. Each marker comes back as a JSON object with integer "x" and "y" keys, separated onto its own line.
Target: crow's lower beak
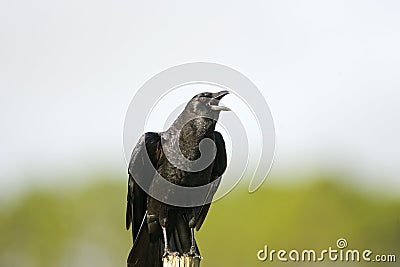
{"x": 218, "y": 96}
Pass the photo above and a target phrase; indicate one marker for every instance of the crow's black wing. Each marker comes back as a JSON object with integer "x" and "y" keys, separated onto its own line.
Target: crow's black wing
{"x": 141, "y": 168}
{"x": 218, "y": 169}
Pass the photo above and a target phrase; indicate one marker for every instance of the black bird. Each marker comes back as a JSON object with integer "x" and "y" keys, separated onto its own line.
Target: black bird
{"x": 176, "y": 155}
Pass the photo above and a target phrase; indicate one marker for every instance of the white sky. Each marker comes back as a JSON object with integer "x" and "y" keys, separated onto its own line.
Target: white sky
{"x": 328, "y": 69}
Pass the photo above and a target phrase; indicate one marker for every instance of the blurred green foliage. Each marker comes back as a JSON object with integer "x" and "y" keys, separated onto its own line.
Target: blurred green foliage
{"x": 85, "y": 227}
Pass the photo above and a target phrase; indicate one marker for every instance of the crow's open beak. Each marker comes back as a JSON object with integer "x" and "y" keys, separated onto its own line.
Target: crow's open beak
{"x": 218, "y": 96}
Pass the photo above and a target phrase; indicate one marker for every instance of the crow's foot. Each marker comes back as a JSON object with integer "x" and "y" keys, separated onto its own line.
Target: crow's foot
{"x": 193, "y": 253}
{"x": 168, "y": 253}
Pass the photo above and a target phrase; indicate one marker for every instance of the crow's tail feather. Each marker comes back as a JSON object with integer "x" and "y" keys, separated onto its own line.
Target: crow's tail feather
{"x": 145, "y": 252}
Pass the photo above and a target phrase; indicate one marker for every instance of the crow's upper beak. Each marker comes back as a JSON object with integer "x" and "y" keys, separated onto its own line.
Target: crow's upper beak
{"x": 218, "y": 96}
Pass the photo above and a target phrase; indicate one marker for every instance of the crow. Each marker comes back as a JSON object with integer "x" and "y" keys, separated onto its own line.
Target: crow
{"x": 176, "y": 156}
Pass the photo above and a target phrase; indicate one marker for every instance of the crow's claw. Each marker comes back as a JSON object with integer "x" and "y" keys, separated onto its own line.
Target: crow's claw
{"x": 170, "y": 253}
{"x": 193, "y": 253}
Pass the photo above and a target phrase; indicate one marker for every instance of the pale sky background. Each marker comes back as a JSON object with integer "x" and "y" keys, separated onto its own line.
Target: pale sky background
{"x": 328, "y": 69}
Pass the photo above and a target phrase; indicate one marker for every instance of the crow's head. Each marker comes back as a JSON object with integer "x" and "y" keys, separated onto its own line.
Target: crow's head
{"x": 207, "y": 104}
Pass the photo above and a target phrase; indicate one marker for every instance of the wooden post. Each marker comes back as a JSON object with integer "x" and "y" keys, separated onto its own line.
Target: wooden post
{"x": 181, "y": 261}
